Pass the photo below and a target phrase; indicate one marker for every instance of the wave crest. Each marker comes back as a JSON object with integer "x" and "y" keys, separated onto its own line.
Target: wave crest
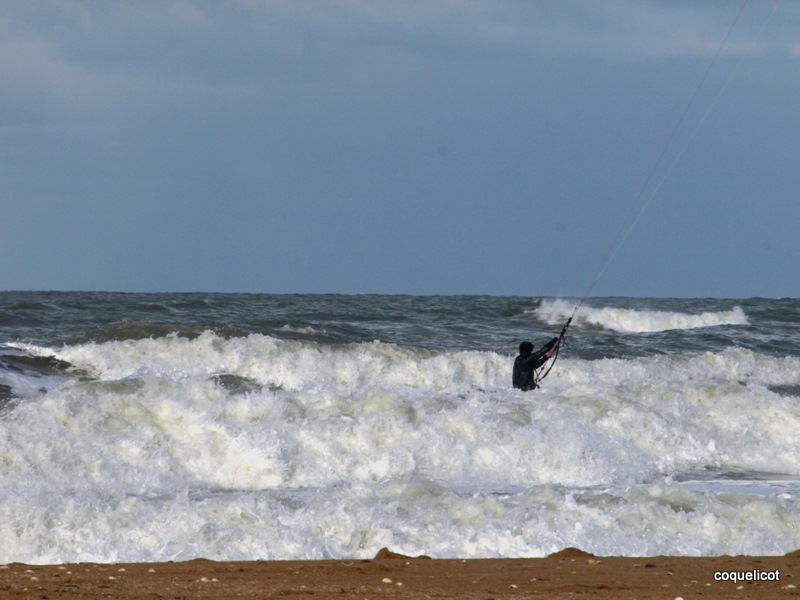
{"x": 628, "y": 320}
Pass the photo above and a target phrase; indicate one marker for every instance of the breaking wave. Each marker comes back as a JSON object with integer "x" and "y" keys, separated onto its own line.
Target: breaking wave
{"x": 627, "y": 320}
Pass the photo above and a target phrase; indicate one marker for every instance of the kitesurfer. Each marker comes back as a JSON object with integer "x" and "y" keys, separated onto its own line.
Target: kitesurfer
{"x": 528, "y": 361}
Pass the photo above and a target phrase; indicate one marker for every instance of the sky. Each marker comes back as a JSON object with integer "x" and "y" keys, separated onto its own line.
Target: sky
{"x": 414, "y": 147}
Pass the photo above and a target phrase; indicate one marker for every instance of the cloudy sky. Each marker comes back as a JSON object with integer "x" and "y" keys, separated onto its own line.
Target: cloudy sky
{"x": 421, "y": 147}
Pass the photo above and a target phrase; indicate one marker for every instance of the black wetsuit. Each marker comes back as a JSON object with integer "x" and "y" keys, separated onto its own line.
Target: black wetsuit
{"x": 524, "y": 366}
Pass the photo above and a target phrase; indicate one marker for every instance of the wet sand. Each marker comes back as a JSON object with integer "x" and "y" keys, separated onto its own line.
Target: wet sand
{"x": 567, "y": 574}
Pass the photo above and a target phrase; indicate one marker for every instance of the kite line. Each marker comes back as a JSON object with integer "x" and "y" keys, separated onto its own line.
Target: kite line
{"x": 618, "y": 238}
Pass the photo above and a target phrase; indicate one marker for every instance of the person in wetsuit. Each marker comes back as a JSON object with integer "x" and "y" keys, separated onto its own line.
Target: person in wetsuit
{"x": 528, "y": 361}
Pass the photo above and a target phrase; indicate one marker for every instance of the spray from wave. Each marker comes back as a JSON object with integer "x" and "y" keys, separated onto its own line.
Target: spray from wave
{"x": 627, "y": 320}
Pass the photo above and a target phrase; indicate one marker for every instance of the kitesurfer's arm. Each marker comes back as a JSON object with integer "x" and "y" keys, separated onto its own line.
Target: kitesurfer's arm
{"x": 547, "y": 351}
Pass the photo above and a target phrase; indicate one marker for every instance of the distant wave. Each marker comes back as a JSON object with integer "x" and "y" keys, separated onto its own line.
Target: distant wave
{"x": 302, "y": 330}
{"x": 627, "y": 320}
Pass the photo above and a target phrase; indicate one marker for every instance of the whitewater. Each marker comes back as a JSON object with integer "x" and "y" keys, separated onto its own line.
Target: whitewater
{"x": 155, "y": 427}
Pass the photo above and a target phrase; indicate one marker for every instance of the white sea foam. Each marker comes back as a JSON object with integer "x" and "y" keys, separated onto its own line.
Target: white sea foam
{"x": 626, "y": 320}
{"x": 409, "y": 516}
{"x": 335, "y": 451}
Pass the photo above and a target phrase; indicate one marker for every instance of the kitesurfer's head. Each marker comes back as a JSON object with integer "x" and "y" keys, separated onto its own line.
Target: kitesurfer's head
{"x": 525, "y": 348}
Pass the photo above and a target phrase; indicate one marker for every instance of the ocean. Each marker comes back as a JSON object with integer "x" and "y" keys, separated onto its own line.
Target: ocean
{"x": 156, "y": 427}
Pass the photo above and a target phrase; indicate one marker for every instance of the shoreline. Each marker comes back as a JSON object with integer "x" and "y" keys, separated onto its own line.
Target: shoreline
{"x": 570, "y": 573}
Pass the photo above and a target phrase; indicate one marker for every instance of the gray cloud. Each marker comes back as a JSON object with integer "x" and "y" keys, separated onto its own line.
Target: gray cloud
{"x": 305, "y": 134}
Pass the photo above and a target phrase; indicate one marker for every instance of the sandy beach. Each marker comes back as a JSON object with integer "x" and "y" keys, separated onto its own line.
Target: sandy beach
{"x": 567, "y": 574}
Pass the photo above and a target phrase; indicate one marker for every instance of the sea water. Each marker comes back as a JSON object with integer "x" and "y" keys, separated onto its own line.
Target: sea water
{"x": 154, "y": 427}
